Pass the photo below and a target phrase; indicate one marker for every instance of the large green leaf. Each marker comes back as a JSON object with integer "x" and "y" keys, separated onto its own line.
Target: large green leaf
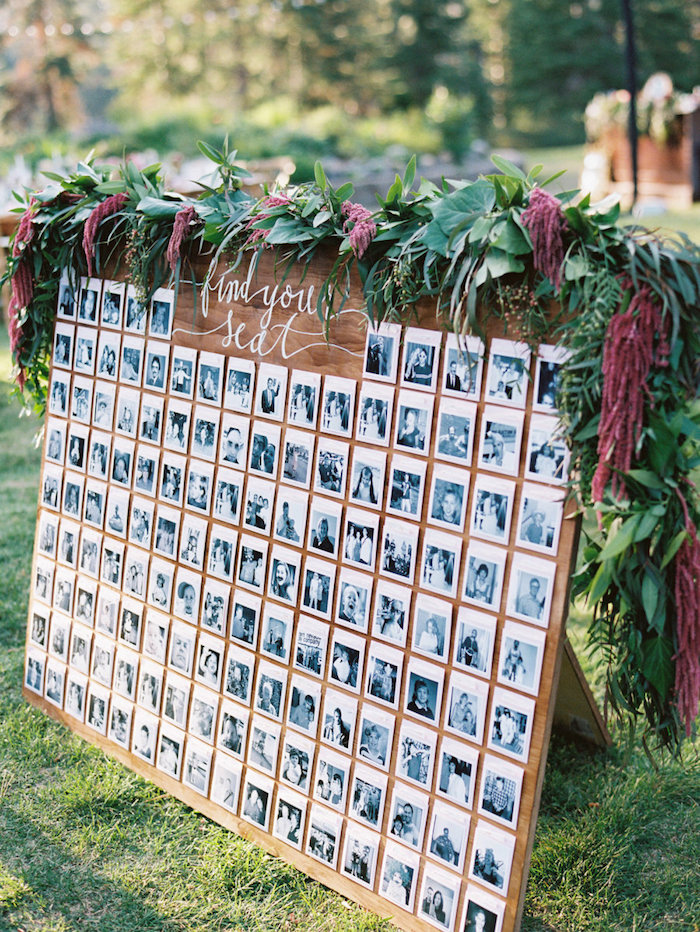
{"x": 657, "y": 666}
{"x": 622, "y": 539}
{"x": 511, "y": 239}
{"x": 158, "y": 208}
{"x": 286, "y": 230}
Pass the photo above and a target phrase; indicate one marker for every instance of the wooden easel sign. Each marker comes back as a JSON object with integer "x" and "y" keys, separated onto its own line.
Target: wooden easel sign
{"x": 314, "y": 588}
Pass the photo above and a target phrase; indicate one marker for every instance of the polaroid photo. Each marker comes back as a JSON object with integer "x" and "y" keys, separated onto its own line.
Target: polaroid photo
{"x": 367, "y": 477}
{"x": 257, "y": 800}
{"x": 297, "y": 762}
{"x": 448, "y": 836}
{"x": 474, "y": 641}
{"x": 122, "y": 461}
{"x": 540, "y": 519}
{"x": 141, "y": 522}
{"x": 76, "y": 686}
{"x": 264, "y": 449}
{"x": 501, "y": 438}
{"x": 197, "y": 768}
{"x": 252, "y": 563}
{"x": 310, "y": 646}
{"x": 176, "y": 698}
{"x": 204, "y": 709}
{"x": 550, "y": 360}
{"x": 182, "y": 372}
{"x": 77, "y": 446}
{"x": 491, "y": 857}
{"x": 177, "y": 425}
{"x": 413, "y": 421}
{"x": 465, "y": 707}
{"x": 263, "y": 749}
{"x": 103, "y": 406}
{"x": 259, "y": 504}
{"x": 210, "y": 378}
{"x": 81, "y": 399}
{"x": 405, "y": 487}
{"x": 298, "y": 454}
{"x": 289, "y": 818}
{"x": 421, "y": 351}
{"x": 407, "y": 816}
{"x": 181, "y": 651}
{"x": 338, "y": 720}
{"x": 135, "y": 572}
{"x": 209, "y": 661}
{"x": 222, "y": 552}
{"x": 271, "y": 391}
{"x": 193, "y": 539}
{"x": 68, "y": 544}
{"x": 35, "y": 670}
{"x": 530, "y": 589}
{"x": 67, "y": 302}
{"x": 277, "y": 625}
{"x": 89, "y": 300}
{"x": 317, "y": 586}
{"x": 368, "y": 796}
{"x": 43, "y": 581}
{"x": 291, "y": 515}
{"x": 501, "y": 786}
{"x": 120, "y": 717}
{"x": 416, "y": 754}
{"x": 323, "y": 839}
{"x": 99, "y": 455}
{"x": 382, "y": 352}
{"x": 449, "y": 492}
{"x": 325, "y": 526}
{"x": 59, "y": 393}
{"x": 125, "y": 672}
{"x": 375, "y": 408}
{"x": 399, "y": 546}
{"x": 238, "y": 678}
{"x": 115, "y": 509}
{"x": 167, "y": 532}
{"x": 171, "y": 746}
{"x": 63, "y": 341}
{"x": 383, "y": 676}
{"x": 130, "y": 623}
{"x": 188, "y": 587}
{"x": 439, "y": 896}
{"x": 59, "y": 637}
{"x": 107, "y": 612}
{"x": 332, "y": 779}
{"x": 215, "y": 607}
{"x": 492, "y": 509}
{"x": 234, "y": 440}
{"x": 392, "y": 605}
{"x": 240, "y": 379}
{"x": 376, "y": 734}
{"x": 85, "y": 601}
{"x": 226, "y": 783}
{"x": 112, "y": 304}
{"x": 361, "y": 538}
{"x": 55, "y": 681}
{"x": 160, "y": 584}
{"x": 127, "y": 420}
{"x": 205, "y": 432}
{"x": 228, "y": 492}
{"x": 39, "y": 627}
{"x": 456, "y": 776}
{"x": 331, "y": 467}
{"x": 150, "y": 687}
{"x": 73, "y": 487}
{"x": 151, "y": 420}
{"x": 155, "y": 637}
{"x": 47, "y": 537}
{"x": 423, "y": 695}
{"x": 304, "y": 705}
{"x": 354, "y": 598}
{"x": 547, "y": 458}
{"x": 462, "y": 371}
{"x": 399, "y": 876}
{"x": 90, "y": 549}
{"x": 520, "y": 657}
{"x": 232, "y": 736}
{"x": 51, "y": 487}
{"x": 162, "y": 312}
{"x": 432, "y": 625}
{"x": 338, "y": 406}
{"x": 482, "y": 913}
{"x": 108, "y": 355}
{"x": 454, "y": 439}
{"x": 347, "y": 660}
{"x": 483, "y": 582}
{"x": 200, "y": 485}
{"x": 172, "y": 479}
{"x": 440, "y": 562}
{"x": 270, "y": 688}
{"x": 64, "y": 591}
{"x": 508, "y": 373}
{"x": 304, "y": 393}
{"x": 360, "y": 853}
{"x": 85, "y": 350}
{"x": 132, "y": 359}
{"x": 245, "y": 617}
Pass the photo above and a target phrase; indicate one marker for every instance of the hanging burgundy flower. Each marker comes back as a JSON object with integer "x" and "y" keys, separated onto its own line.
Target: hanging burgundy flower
{"x": 363, "y": 229}
{"x": 184, "y": 219}
{"x": 111, "y": 205}
{"x": 272, "y": 200}
{"x": 634, "y": 341}
{"x": 546, "y": 225}
{"x": 686, "y": 569}
{"x": 22, "y": 284}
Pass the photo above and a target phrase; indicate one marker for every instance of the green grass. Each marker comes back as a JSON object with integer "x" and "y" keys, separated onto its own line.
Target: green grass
{"x": 87, "y": 846}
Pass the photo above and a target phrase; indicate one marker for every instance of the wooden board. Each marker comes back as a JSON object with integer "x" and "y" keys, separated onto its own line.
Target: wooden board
{"x": 409, "y": 668}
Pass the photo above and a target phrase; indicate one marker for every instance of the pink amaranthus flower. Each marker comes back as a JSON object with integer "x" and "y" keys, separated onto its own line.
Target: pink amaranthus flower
{"x": 22, "y": 285}
{"x": 272, "y": 200}
{"x": 363, "y": 229}
{"x": 181, "y": 225}
{"x": 686, "y": 567}
{"x": 111, "y": 205}
{"x": 546, "y": 224}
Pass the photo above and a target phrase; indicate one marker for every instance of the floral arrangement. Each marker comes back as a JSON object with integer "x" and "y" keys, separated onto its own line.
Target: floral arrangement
{"x": 622, "y": 301}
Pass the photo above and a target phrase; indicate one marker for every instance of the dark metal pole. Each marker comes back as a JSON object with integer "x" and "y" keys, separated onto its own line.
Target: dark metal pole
{"x": 631, "y": 62}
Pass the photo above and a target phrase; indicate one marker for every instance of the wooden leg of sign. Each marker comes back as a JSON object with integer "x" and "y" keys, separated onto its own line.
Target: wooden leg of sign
{"x": 575, "y": 709}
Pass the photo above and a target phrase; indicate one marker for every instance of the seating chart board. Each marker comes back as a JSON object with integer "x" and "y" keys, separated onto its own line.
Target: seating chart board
{"x": 314, "y": 588}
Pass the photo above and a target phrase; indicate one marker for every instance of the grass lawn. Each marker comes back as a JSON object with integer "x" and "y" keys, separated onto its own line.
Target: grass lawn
{"x": 87, "y": 846}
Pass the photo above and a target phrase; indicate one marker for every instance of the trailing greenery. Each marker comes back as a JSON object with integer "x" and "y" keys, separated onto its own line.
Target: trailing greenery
{"x": 471, "y": 248}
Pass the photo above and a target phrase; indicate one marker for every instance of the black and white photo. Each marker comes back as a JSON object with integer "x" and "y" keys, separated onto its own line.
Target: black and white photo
{"x": 423, "y": 695}
{"x": 354, "y": 597}
{"x": 375, "y": 736}
{"x": 483, "y": 580}
{"x": 330, "y": 474}
{"x": 297, "y": 457}
{"x": 360, "y": 538}
{"x": 547, "y": 457}
{"x": 228, "y": 494}
{"x": 310, "y": 646}
{"x": 233, "y": 450}
{"x": 338, "y": 720}
{"x": 550, "y": 359}
{"x": 270, "y": 688}
{"x": 226, "y": 783}
{"x": 155, "y": 370}
{"x": 465, "y": 707}
{"x": 368, "y": 796}
{"x": 520, "y": 657}
{"x": 399, "y": 545}
{"x": 448, "y": 836}
{"x": 461, "y": 375}
{"x": 285, "y": 566}
{"x": 131, "y": 361}
{"x": 374, "y": 414}
{"x": 367, "y": 477}
{"x": 420, "y": 362}
{"x": 161, "y": 318}
{"x": 414, "y": 417}
{"x": 289, "y": 818}
{"x": 407, "y": 816}
{"x": 500, "y": 440}
{"x": 438, "y": 898}
{"x": 197, "y": 766}
{"x": 491, "y": 857}
{"x": 271, "y": 391}
{"x": 245, "y": 617}
{"x": 392, "y": 604}
{"x": 205, "y": 432}
{"x": 432, "y": 624}
{"x": 440, "y": 562}
{"x": 182, "y": 372}
{"x": 276, "y": 632}
{"x": 317, "y": 586}
{"x": 297, "y": 762}
{"x": 257, "y": 800}
{"x": 239, "y": 674}
{"x": 304, "y": 705}
{"x": 454, "y": 438}
{"x": 338, "y": 406}
{"x": 240, "y": 380}
{"x": 383, "y": 674}
{"x": 530, "y": 589}
{"x": 323, "y": 839}
{"x": 304, "y": 392}
{"x": 474, "y": 640}
{"x": 264, "y": 449}
{"x": 501, "y": 785}
{"x": 382, "y": 352}
{"x": 456, "y": 777}
{"x": 112, "y": 304}
{"x": 332, "y": 779}
{"x": 508, "y": 373}
{"x": 291, "y": 513}
{"x": 210, "y": 378}
{"x": 399, "y": 876}
{"x": 181, "y": 650}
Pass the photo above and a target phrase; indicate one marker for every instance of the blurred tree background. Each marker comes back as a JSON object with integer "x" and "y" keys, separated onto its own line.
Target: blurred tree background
{"x": 350, "y": 78}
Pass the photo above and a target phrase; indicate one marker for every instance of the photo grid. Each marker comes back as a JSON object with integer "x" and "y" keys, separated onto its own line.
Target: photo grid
{"x": 261, "y": 597}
